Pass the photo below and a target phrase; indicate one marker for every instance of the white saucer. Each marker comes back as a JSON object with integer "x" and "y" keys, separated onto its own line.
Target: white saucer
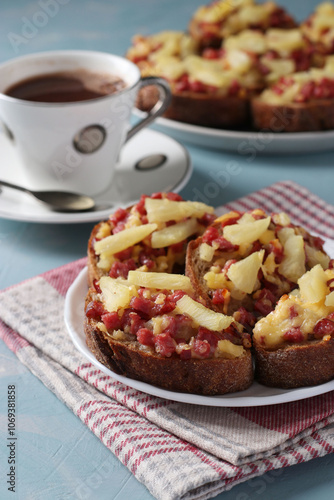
{"x": 128, "y": 184}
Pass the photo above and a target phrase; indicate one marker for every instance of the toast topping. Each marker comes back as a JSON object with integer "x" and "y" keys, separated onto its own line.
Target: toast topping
{"x": 256, "y": 259}
{"x": 275, "y": 53}
{"x": 224, "y": 18}
{"x": 319, "y": 27}
{"x": 150, "y": 236}
{"x": 304, "y": 86}
{"x": 161, "y": 45}
{"x": 167, "y": 322}
{"x": 306, "y": 314}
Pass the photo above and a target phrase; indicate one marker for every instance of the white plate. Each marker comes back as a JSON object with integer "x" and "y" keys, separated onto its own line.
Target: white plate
{"x": 256, "y": 395}
{"x": 248, "y": 143}
{"x": 127, "y": 186}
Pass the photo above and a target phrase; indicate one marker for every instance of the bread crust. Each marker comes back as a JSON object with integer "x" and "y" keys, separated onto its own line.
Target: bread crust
{"x": 94, "y": 273}
{"x": 207, "y": 110}
{"x": 295, "y": 365}
{"x": 296, "y": 117}
{"x": 216, "y": 376}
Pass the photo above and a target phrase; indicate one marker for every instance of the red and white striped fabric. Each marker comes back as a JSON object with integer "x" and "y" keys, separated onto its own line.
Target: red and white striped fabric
{"x": 216, "y": 448}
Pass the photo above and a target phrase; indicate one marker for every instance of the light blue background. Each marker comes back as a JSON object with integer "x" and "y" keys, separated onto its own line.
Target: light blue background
{"x": 58, "y": 458}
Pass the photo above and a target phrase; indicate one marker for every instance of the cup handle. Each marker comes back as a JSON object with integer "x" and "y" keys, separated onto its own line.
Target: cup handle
{"x": 165, "y": 97}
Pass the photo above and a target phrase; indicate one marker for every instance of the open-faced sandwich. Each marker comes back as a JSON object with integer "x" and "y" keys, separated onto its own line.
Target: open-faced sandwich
{"x": 244, "y": 65}
{"x": 294, "y": 344}
{"x": 193, "y": 332}
{"x": 151, "y": 327}
{"x": 298, "y": 102}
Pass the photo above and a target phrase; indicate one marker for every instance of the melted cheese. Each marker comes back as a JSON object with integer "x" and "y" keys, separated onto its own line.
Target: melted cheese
{"x": 312, "y": 302}
{"x": 269, "y": 331}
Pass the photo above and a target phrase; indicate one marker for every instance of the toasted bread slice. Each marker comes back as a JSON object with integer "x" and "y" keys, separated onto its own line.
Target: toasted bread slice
{"x": 300, "y": 102}
{"x": 295, "y": 366}
{"x": 294, "y": 344}
{"x": 165, "y": 346}
{"x": 312, "y": 116}
{"x": 203, "y": 109}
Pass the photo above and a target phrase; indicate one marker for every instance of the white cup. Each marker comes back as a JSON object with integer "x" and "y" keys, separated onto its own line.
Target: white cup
{"x": 73, "y": 146}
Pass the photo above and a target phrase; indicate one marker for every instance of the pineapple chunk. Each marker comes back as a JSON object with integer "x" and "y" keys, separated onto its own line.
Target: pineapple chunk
{"x": 329, "y": 302}
{"x": 313, "y": 285}
{"x": 315, "y": 257}
{"x": 267, "y": 237}
{"x": 206, "y": 252}
{"x": 230, "y": 350}
{"x": 202, "y": 315}
{"x": 166, "y": 210}
{"x": 162, "y": 281}
{"x": 115, "y": 295}
{"x": 293, "y": 263}
{"x": 247, "y": 232}
{"x": 174, "y": 234}
{"x": 124, "y": 239}
{"x": 244, "y": 273}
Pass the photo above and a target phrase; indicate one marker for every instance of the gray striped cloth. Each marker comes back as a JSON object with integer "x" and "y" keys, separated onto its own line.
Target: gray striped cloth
{"x": 214, "y": 447}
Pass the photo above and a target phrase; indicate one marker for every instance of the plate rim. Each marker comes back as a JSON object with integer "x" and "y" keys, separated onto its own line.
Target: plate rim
{"x": 240, "y": 134}
{"x": 51, "y": 217}
{"x": 232, "y": 140}
{"x": 238, "y": 400}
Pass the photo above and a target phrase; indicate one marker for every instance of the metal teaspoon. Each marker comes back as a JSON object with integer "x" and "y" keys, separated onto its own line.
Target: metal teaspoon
{"x": 58, "y": 200}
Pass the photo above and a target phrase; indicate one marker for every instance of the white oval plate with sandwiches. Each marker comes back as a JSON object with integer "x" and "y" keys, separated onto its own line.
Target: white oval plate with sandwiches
{"x": 256, "y": 395}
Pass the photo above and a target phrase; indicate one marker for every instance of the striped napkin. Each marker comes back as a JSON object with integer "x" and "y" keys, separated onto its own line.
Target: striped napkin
{"x": 215, "y": 448}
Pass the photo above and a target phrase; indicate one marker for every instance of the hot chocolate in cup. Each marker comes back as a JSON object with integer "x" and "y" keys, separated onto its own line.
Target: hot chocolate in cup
{"x": 67, "y": 113}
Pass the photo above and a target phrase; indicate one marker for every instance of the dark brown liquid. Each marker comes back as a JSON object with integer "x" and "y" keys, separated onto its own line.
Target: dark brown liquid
{"x": 73, "y": 86}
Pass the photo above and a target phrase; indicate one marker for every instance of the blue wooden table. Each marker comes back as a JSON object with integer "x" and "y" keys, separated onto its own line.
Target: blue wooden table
{"x": 58, "y": 457}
